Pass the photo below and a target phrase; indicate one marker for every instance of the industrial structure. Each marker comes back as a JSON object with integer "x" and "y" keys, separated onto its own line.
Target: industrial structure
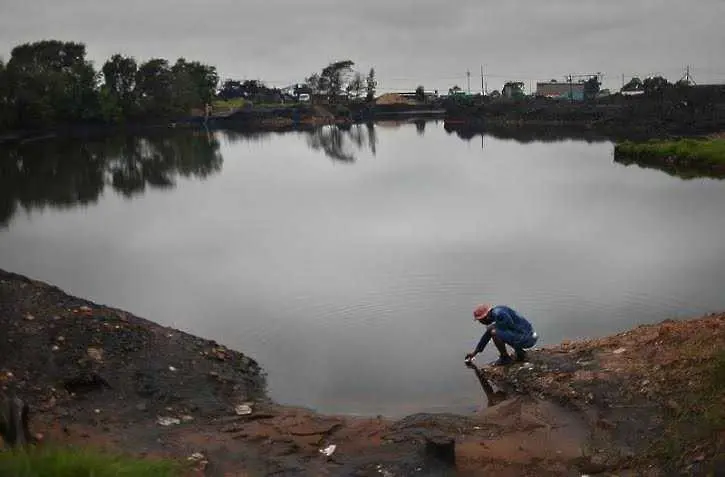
{"x": 561, "y": 90}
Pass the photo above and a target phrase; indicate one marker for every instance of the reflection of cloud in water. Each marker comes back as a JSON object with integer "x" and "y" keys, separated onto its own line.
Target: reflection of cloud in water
{"x": 67, "y": 172}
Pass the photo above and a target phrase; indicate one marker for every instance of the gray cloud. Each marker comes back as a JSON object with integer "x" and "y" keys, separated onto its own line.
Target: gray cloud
{"x": 408, "y": 41}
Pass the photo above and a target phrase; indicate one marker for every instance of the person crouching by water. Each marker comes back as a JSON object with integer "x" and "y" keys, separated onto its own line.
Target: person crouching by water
{"x": 505, "y": 327}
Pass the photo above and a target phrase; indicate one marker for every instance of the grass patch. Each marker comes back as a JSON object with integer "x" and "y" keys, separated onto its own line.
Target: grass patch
{"x": 695, "y": 426}
{"x": 229, "y": 104}
{"x": 70, "y": 462}
{"x": 708, "y": 151}
{"x": 239, "y": 103}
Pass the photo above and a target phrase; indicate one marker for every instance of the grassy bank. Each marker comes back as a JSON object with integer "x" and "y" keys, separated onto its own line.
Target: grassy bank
{"x": 705, "y": 151}
{"x": 698, "y": 418}
{"x": 69, "y": 462}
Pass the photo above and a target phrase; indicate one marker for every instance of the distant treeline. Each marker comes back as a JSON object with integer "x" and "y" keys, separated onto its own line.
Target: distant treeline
{"x": 50, "y": 83}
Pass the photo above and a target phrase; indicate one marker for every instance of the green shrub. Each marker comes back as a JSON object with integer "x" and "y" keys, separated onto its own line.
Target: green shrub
{"x": 711, "y": 151}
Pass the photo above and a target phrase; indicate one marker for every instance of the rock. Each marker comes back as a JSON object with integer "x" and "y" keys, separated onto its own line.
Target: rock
{"x": 85, "y": 309}
{"x": 172, "y": 369}
{"x": 14, "y": 422}
{"x": 619, "y": 350}
{"x": 441, "y": 449}
{"x": 95, "y": 354}
{"x": 167, "y": 421}
{"x": 329, "y": 450}
{"x": 187, "y": 418}
{"x": 606, "y": 424}
{"x": 29, "y": 317}
{"x": 243, "y": 409}
{"x": 141, "y": 406}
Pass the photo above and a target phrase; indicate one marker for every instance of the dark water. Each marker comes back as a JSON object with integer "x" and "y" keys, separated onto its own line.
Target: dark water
{"x": 348, "y": 262}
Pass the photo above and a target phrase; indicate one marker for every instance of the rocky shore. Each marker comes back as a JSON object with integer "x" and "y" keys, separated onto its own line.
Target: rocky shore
{"x": 648, "y": 401}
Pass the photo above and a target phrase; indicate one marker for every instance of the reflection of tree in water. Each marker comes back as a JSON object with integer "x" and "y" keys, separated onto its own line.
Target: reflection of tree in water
{"x": 524, "y": 134}
{"x": 337, "y": 142}
{"x": 69, "y": 172}
{"x": 420, "y": 126}
{"x": 340, "y": 142}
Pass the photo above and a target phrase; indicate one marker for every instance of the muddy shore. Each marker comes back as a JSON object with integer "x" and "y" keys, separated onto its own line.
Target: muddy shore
{"x": 641, "y": 402}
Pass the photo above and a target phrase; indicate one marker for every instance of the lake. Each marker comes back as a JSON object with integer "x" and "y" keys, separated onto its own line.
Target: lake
{"x": 348, "y": 262}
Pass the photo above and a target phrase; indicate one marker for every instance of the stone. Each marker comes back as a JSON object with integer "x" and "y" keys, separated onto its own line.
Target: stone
{"x": 95, "y": 354}
{"x": 329, "y": 450}
{"x": 441, "y": 449}
{"x": 167, "y": 421}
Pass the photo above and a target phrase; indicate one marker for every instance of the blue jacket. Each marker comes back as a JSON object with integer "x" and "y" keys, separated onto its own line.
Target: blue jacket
{"x": 508, "y": 319}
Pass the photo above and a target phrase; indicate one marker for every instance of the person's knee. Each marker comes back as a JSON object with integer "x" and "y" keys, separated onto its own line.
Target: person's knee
{"x": 493, "y": 332}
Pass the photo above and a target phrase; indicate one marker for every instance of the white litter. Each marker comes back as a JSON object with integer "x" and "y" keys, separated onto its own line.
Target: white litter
{"x": 196, "y": 457}
{"x": 171, "y": 368}
{"x": 619, "y": 350}
{"x": 168, "y": 421}
{"x": 243, "y": 409}
{"x": 328, "y": 451}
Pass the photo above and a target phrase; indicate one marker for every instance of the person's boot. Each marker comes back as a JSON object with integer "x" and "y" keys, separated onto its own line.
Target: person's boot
{"x": 520, "y": 355}
{"x": 503, "y": 360}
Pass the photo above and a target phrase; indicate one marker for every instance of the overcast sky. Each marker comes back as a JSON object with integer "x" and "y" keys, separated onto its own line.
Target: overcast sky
{"x": 409, "y": 42}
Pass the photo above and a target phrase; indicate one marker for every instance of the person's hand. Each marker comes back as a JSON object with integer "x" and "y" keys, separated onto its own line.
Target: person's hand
{"x": 469, "y": 357}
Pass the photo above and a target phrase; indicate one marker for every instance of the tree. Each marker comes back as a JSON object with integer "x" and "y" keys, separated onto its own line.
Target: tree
{"x": 313, "y": 82}
{"x": 251, "y": 89}
{"x": 454, "y": 90}
{"x": 591, "y": 88}
{"x": 355, "y": 86}
{"x": 119, "y": 74}
{"x": 635, "y": 84}
{"x": 5, "y": 113}
{"x": 655, "y": 85}
{"x": 420, "y": 93}
{"x": 230, "y": 89}
{"x": 51, "y": 81}
{"x": 194, "y": 83}
{"x": 513, "y": 89}
{"x": 154, "y": 82}
{"x": 118, "y": 97}
{"x": 370, "y": 85}
{"x": 333, "y": 76}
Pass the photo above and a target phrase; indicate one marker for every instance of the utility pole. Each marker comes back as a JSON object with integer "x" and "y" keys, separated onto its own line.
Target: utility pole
{"x": 687, "y": 79}
{"x": 468, "y": 76}
{"x": 571, "y": 89}
{"x": 483, "y": 83}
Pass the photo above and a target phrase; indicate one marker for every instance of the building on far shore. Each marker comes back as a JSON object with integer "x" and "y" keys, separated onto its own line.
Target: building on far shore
{"x": 560, "y": 90}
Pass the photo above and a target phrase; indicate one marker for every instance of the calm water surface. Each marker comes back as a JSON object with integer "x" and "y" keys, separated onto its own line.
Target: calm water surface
{"x": 348, "y": 262}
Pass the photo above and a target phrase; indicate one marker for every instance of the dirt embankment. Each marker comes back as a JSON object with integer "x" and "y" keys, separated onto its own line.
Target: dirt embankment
{"x": 99, "y": 376}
